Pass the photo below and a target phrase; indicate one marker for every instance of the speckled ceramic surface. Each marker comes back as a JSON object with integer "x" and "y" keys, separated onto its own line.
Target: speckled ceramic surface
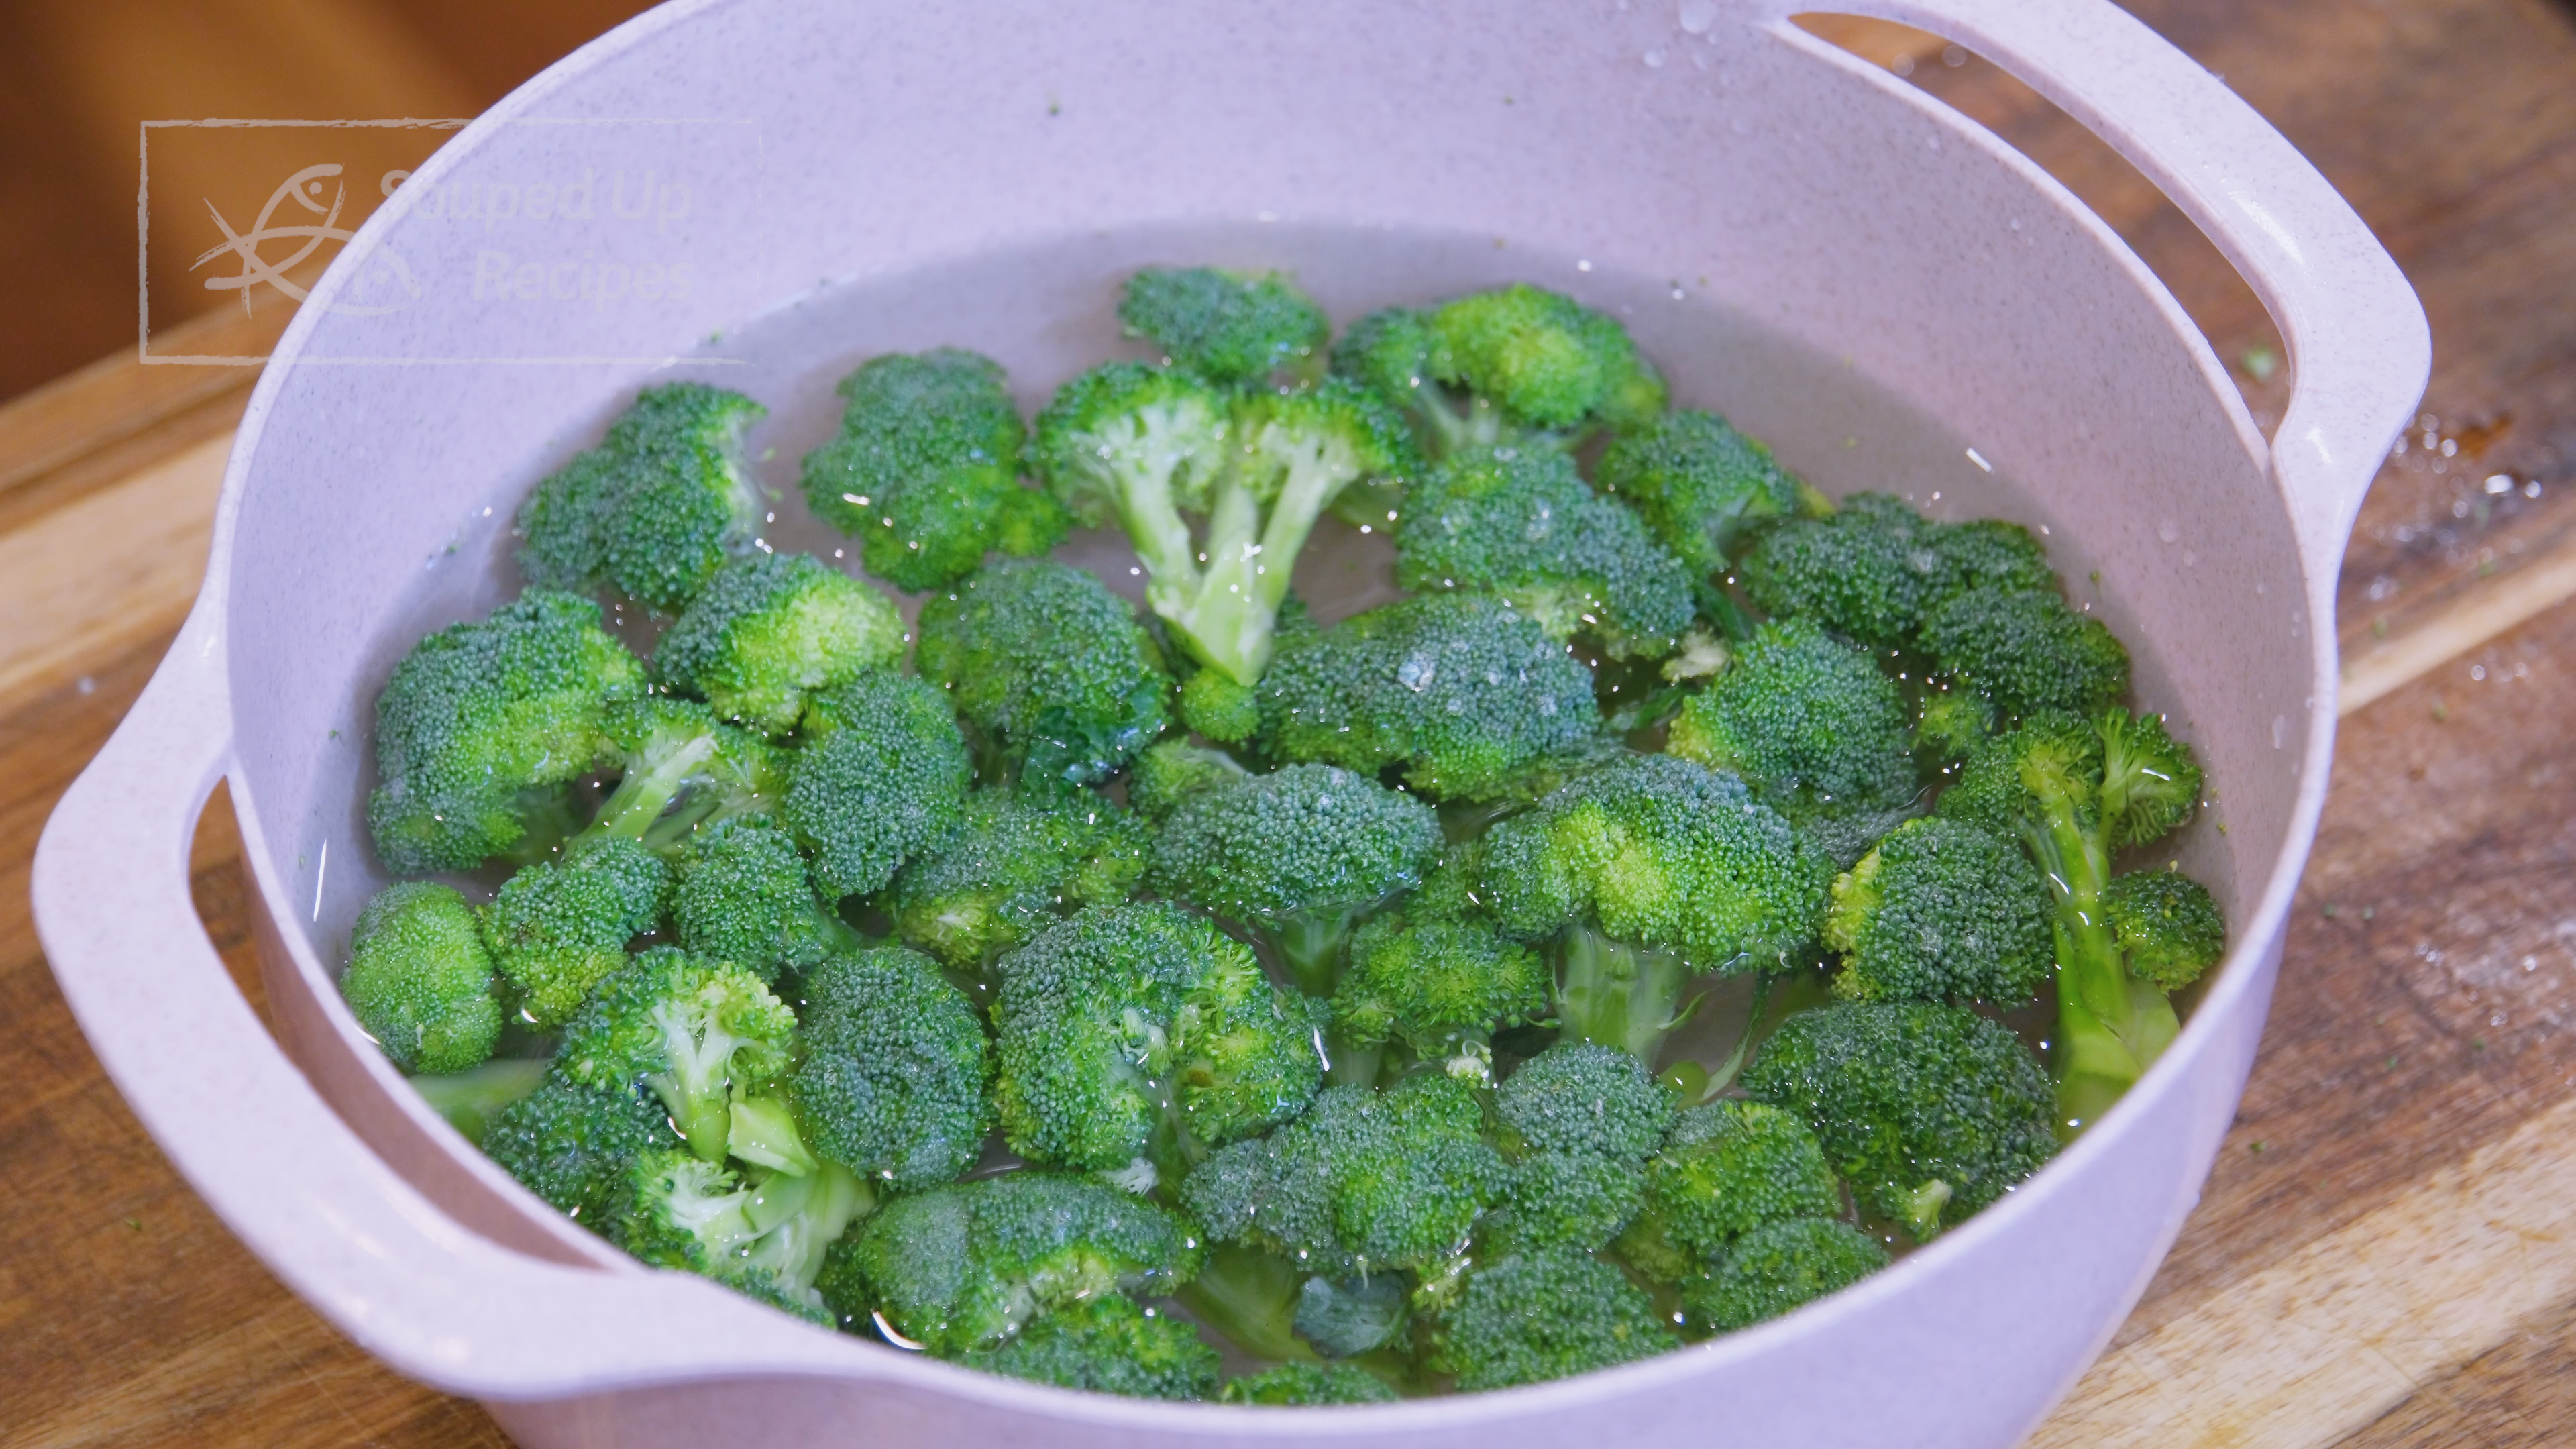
{"x": 752, "y": 153}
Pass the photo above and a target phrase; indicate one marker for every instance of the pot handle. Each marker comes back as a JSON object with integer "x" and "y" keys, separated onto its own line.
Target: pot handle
{"x": 2356, "y": 333}
{"x": 263, "y": 1149}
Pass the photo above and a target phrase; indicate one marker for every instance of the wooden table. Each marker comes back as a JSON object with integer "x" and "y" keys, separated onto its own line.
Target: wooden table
{"x": 2386, "y": 1254}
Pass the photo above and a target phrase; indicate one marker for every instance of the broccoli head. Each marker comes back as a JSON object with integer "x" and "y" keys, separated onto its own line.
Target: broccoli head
{"x": 420, "y": 981}
{"x": 574, "y": 1145}
{"x": 1109, "y": 1345}
{"x": 559, "y": 926}
{"x": 1942, "y": 910}
{"x": 2026, "y": 651}
{"x": 657, "y": 507}
{"x": 1022, "y": 859}
{"x": 1780, "y": 1266}
{"x": 1499, "y": 1334}
{"x": 1050, "y": 666}
{"x": 1873, "y": 569}
{"x": 1171, "y": 771}
{"x": 1439, "y": 986}
{"x": 1302, "y": 1385}
{"x": 1228, "y": 327}
{"x": 881, "y": 778}
{"x": 1704, "y": 490}
{"x": 698, "y": 1033}
{"x": 894, "y": 1071}
{"x": 681, "y": 768}
{"x": 1726, "y": 1169}
{"x": 1389, "y": 353}
{"x": 740, "y": 893}
{"x": 2167, "y": 924}
{"x": 1583, "y": 1097}
{"x": 1564, "y": 1199}
{"x": 772, "y": 629}
{"x": 1545, "y": 360}
{"x": 766, "y": 1240}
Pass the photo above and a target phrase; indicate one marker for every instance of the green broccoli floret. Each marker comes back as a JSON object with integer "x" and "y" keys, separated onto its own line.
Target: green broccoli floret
{"x": 1139, "y": 1034}
{"x": 1781, "y": 1266}
{"x": 1214, "y": 704}
{"x": 895, "y": 1069}
{"x": 1942, "y": 910}
{"x": 1139, "y": 448}
{"x": 765, "y": 1239}
{"x": 1564, "y": 1199}
{"x": 1931, "y": 1111}
{"x": 1297, "y": 857}
{"x": 1521, "y": 522}
{"x": 2026, "y": 651}
{"x": 2168, "y": 926}
{"x": 1655, "y": 870}
{"x": 772, "y": 629}
{"x": 965, "y": 1266}
{"x": 1592, "y": 1317}
{"x": 1050, "y": 666}
{"x": 1815, "y": 727}
{"x": 2074, "y": 791}
{"x": 472, "y": 1098}
{"x": 1547, "y": 361}
{"x": 1457, "y": 692}
{"x": 1872, "y": 570}
{"x": 1438, "y": 986}
{"x": 657, "y": 507}
{"x": 484, "y": 723}
{"x": 1949, "y": 724}
{"x": 420, "y": 981}
{"x": 1022, "y": 859}
{"x": 925, "y": 471}
{"x": 740, "y": 893}
{"x": 1109, "y": 1345}
{"x": 1389, "y": 353}
{"x": 1726, "y": 1169}
{"x": 573, "y": 1145}
{"x": 1302, "y": 1385}
{"x": 697, "y": 1033}
{"x": 882, "y": 777}
{"x": 681, "y": 768}
{"x": 559, "y": 926}
{"x": 1173, "y": 770}
{"x": 1228, "y": 327}
{"x": 1704, "y": 489}
{"x": 1582, "y": 1097}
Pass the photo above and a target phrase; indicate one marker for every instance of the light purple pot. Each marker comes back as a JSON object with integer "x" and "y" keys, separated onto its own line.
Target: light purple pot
{"x": 1816, "y": 195}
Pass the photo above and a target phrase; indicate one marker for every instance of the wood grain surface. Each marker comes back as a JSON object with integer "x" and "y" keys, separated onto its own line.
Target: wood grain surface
{"x": 2386, "y": 1253}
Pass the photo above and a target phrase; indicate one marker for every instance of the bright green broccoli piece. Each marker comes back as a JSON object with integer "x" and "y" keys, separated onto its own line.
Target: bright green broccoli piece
{"x": 1521, "y": 523}
{"x": 681, "y": 768}
{"x": 559, "y": 926}
{"x": 1726, "y": 1169}
{"x": 472, "y": 1098}
{"x": 925, "y": 471}
{"x": 1942, "y": 910}
{"x": 740, "y": 893}
{"x": 769, "y": 631}
{"x": 574, "y": 1145}
{"x": 1949, "y": 724}
{"x": 1583, "y": 1097}
{"x": 1874, "y": 569}
{"x": 1931, "y": 1111}
{"x": 1173, "y": 770}
{"x": 1022, "y": 859}
{"x": 2168, "y": 926}
{"x": 698, "y": 1033}
{"x": 1297, "y": 857}
{"x": 881, "y": 778}
{"x": 1228, "y": 327}
{"x": 892, "y": 1084}
{"x": 1389, "y": 353}
{"x": 1564, "y": 1199}
{"x": 1216, "y": 705}
{"x": 1704, "y": 490}
{"x": 1457, "y": 692}
{"x": 765, "y": 1239}
{"x": 1546, "y": 361}
{"x": 420, "y": 981}
{"x": 656, "y": 508}
{"x": 1781, "y": 1266}
{"x": 1050, "y": 666}
{"x": 966, "y": 1266}
{"x": 1498, "y": 1335}
{"x": 482, "y": 725}
{"x": 1131, "y": 1037}
{"x": 1439, "y": 987}
{"x": 2026, "y": 651}
{"x": 1305, "y": 1385}
{"x": 1815, "y": 727}
{"x": 1109, "y": 1345}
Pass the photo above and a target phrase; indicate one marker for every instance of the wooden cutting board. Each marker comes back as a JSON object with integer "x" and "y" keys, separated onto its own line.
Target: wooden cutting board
{"x": 2386, "y": 1253}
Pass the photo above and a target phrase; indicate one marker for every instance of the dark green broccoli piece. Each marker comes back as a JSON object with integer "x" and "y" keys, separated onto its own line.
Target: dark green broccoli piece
{"x": 1022, "y": 859}
{"x": 766, "y": 1239}
{"x": 1050, "y": 666}
{"x": 1521, "y": 522}
{"x": 1656, "y": 870}
{"x": 1173, "y": 770}
{"x": 1704, "y": 489}
{"x": 925, "y": 471}
{"x": 1228, "y": 327}
{"x": 1301, "y": 1385}
{"x": 573, "y": 1145}
{"x": 559, "y": 926}
{"x": 1457, "y": 692}
{"x": 657, "y": 507}
{"x": 1139, "y": 1034}
{"x": 680, "y": 769}
{"x": 472, "y": 1098}
{"x": 1583, "y": 1097}
{"x": 1109, "y": 1345}
{"x": 740, "y": 893}
{"x": 1564, "y": 1199}
{"x": 882, "y": 778}
{"x": 1942, "y": 910}
{"x": 1815, "y": 727}
{"x": 420, "y": 981}
{"x": 1872, "y": 570}
{"x": 2026, "y": 651}
{"x": 482, "y": 725}
{"x": 1547, "y": 1314}
{"x": 698, "y": 1033}
{"x": 1781, "y": 1266}
{"x": 1547, "y": 361}
{"x": 1297, "y": 857}
{"x": 1439, "y": 987}
{"x": 895, "y": 1069}
{"x": 1726, "y": 1169}
{"x": 965, "y": 1266}
{"x": 1931, "y": 1111}
{"x": 2168, "y": 926}
{"x": 1949, "y": 724}
{"x": 769, "y": 631}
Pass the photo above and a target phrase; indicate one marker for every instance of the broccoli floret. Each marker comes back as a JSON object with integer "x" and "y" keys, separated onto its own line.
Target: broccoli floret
{"x": 1815, "y": 727}
{"x": 882, "y": 777}
{"x": 559, "y": 926}
{"x": 681, "y": 768}
{"x": 1362, "y": 1183}
{"x": 1303, "y": 1385}
{"x": 1050, "y": 666}
{"x": 1022, "y": 859}
{"x": 895, "y": 1069}
{"x": 1389, "y": 353}
{"x": 1931, "y": 1111}
{"x": 1726, "y": 1169}
{"x": 1949, "y": 724}
{"x": 1214, "y": 704}
{"x": 572, "y": 1145}
{"x": 1297, "y": 857}
{"x": 1109, "y": 1345}
{"x": 924, "y": 472}
{"x": 1564, "y": 1199}
{"x": 1655, "y": 869}
{"x": 1942, "y": 910}
{"x": 963, "y": 1267}
{"x": 766, "y": 1239}
{"x": 740, "y": 893}
{"x": 1440, "y": 987}
{"x": 769, "y": 631}
{"x": 1780, "y": 1266}
{"x": 657, "y": 507}
{"x": 1521, "y": 522}
{"x": 1583, "y": 1097}
{"x": 697, "y": 1033}
{"x": 470, "y": 1099}
{"x": 2026, "y": 651}
{"x": 1228, "y": 327}
{"x": 1141, "y": 1034}
{"x": 1872, "y": 570}
{"x": 1455, "y": 691}
{"x": 1545, "y": 360}
{"x": 1704, "y": 489}
{"x": 482, "y": 725}
{"x": 1140, "y": 448}
{"x": 420, "y": 981}
{"x": 1174, "y": 770}
{"x": 1547, "y": 1314}
{"x": 2168, "y": 926}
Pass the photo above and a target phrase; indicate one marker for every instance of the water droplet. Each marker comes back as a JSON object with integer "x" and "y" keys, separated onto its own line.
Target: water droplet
{"x": 2168, "y": 532}
{"x": 2280, "y": 731}
{"x": 1698, "y": 15}
{"x": 1655, "y": 58}
{"x": 1415, "y": 673}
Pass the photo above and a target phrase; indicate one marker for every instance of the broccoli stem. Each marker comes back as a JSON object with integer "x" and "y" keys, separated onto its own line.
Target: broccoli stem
{"x": 470, "y": 1099}
{"x": 1250, "y": 1297}
{"x": 1227, "y": 618}
{"x": 763, "y": 1130}
{"x": 1310, "y": 944}
{"x": 2111, "y": 1028}
{"x": 650, "y": 784}
{"x": 1617, "y": 994}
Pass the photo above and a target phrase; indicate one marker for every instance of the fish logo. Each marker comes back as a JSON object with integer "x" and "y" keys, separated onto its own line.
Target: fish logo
{"x": 383, "y": 274}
